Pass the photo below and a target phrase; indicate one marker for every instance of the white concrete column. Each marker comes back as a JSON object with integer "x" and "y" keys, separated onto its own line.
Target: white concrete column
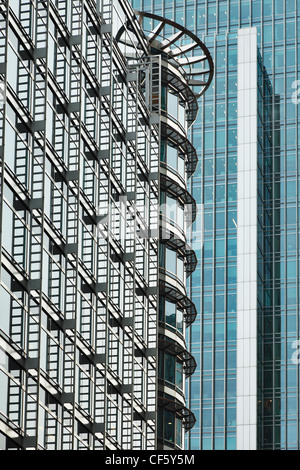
{"x": 247, "y": 241}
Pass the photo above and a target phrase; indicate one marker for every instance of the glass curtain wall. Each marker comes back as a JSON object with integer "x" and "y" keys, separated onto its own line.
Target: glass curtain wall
{"x": 78, "y": 325}
{"x": 213, "y": 286}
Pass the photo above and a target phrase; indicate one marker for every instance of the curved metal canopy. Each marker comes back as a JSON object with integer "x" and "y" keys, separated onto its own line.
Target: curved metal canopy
{"x": 170, "y": 292}
{"x": 187, "y": 416}
{"x": 176, "y": 349}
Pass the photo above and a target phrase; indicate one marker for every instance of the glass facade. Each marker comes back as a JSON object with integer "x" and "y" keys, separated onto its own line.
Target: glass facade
{"x": 95, "y": 161}
{"x": 213, "y": 286}
{"x": 78, "y": 321}
{"x": 178, "y": 211}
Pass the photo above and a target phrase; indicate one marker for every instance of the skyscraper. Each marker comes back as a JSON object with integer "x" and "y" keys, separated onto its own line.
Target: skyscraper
{"x": 245, "y": 391}
{"x": 94, "y": 209}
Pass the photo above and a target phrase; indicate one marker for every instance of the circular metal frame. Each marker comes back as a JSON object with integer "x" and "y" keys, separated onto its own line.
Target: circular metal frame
{"x": 179, "y": 54}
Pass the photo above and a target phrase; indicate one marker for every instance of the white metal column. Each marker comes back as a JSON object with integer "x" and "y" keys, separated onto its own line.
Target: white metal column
{"x": 247, "y": 241}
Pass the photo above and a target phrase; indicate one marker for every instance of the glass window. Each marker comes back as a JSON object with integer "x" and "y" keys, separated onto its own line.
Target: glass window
{"x": 170, "y": 312}
{"x": 208, "y": 166}
{"x": 8, "y": 232}
{"x": 171, "y": 203}
{"x": 171, "y": 261}
{"x": 220, "y": 220}
{"x": 160, "y": 422}
{"x": 179, "y": 375}
{"x": 231, "y": 303}
{"x": 232, "y": 191}
{"x": 173, "y": 209}
{"x": 232, "y": 247}
{"x": 180, "y": 216}
{"x": 256, "y": 9}
{"x": 170, "y": 368}
{"x": 290, "y": 6}
{"x": 164, "y": 98}
{"x": 279, "y": 58}
{"x": 11, "y": 70}
{"x": 163, "y": 156}
{"x": 220, "y": 138}
{"x": 278, "y": 34}
{"x": 180, "y": 268}
{"x": 181, "y": 165}
{"x": 232, "y": 83}
{"x": 174, "y": 263}
{"x": 208, "y": 194}
{"x": 10, "y": 147}
{"x": 5, "y": 302}
{"x": 160, "y": 363}
{"x": 178, "y": 432}
{"x": 162, "y": 257}
{"x": 290, "y": 30}
{"x": 179, "y": 320}
{"x": 268, "y": 33}
{"x": 278, "y": 8}
{"x": 267, "y": 7}
{"x": 223, "y": 13}
{"x": 169, "y": 425}
{"x": 208, "y": 249}
{"x": 232, "y": 56}
{"x": 181, "y": 115}
{"x": 172, "y": 157}
{"x": 15, "y": 5}
{"x": 220, "y": 248}
{"x": 220, "y": 193}
{"x": 4, "y": 393}
{"x": 173, "y": 104}
{"x": 220, "y": 275}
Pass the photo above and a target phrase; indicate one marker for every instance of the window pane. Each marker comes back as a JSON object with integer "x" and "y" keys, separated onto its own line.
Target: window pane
{"x": 170, "y": 368}
{"x": 180, "y": 320}
{"x": 180, "y": 269}
{"x": 171, "y": 208}
{"x": 172, "y": 157}
{"x": 172, "y": 105}
{"x": 169, "y": 427}
{"x": 179, "y": 379}
{"x": 180, "y": 217}
{"x": 181, "y": 115}
{"x": 181, "y": 166}
{"x": 178, "y": 432}
{"x": 170, "y": 313}
{"x": 171, "y": 261}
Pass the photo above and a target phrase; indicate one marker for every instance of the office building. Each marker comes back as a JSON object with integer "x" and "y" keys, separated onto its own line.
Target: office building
{"x": 95, "y": 161}
{"x": 245, "y": 390}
